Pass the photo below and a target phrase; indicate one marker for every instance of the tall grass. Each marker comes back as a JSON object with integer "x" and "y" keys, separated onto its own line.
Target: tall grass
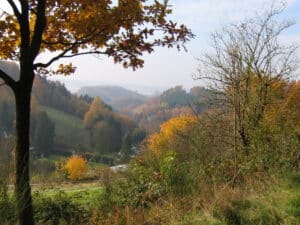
{"x": 7, "y": 206}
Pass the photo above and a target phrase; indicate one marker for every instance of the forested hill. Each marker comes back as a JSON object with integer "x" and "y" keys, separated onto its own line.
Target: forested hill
{"x": 150, "y": 112}
{"x": 117, "y": 97}
{"x": 171, "y": 103}
{"x": 63, "y": 122}
{"x": 54, "y": 94}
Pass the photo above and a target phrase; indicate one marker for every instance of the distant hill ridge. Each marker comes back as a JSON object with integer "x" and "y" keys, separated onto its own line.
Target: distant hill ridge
{"x": 116, "y": 96}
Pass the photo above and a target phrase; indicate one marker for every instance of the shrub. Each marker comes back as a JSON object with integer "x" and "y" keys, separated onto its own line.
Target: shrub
{"x": 139, "y": 188}
{"x": 175, "y": 173}
{"x": 58, "y": 210}
{"x": 76, "y": 167}
{"x": 247, "y": 212}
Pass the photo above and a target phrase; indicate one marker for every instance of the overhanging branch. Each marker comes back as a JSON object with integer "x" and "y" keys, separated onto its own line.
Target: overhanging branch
{"x": 44, "y": 65}
{"x": 7, "y": 79}
{"x": 63, "y": 55}
{"x": 15, "y": 9}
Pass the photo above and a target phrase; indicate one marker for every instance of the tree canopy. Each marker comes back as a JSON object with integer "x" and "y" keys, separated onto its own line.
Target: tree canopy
{"x": 69, "y": 28}
{"x": 247, "y": 59}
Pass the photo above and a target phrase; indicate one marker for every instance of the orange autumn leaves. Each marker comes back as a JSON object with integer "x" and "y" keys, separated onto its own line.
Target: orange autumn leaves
{"x": 174, "y": 135}
{"x": 76, "y": 167}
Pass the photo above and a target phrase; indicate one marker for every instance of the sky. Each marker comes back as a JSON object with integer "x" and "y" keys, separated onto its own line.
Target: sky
{"x": 167, "y": 67}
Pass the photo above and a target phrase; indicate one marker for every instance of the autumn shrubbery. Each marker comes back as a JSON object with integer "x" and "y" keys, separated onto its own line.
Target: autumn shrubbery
{"x": 162, "y": 169}
{"x": 192, "y": 161}
{"x": 76, "y": 167}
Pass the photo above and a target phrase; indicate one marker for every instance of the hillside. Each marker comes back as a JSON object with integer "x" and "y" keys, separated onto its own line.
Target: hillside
{"x": 62, "y": 122}
{"x": 117, "y": 97}
{"x": 69, "y": 129}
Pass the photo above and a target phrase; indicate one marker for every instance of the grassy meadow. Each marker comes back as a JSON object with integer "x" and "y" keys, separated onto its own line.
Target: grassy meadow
{"x": 65, "y": 125}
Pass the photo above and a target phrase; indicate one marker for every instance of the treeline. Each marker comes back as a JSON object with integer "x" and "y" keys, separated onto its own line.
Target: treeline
{"x": 47, "y": 93}
{"x": 54, "y": 94}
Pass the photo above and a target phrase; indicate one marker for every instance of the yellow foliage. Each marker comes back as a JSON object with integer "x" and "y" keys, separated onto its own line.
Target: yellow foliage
{"x": 175, "y": 134}
{"x": 178, "y": 125}
{"x": 285, "y": 108}
{"x": 97, "y": 110}
{"x": 156, "y": 142}
{"x": 76, "y": 167}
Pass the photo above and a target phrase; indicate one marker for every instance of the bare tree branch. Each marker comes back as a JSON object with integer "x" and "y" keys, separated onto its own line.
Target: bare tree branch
{"x": 248, "y": 59}
{"x": 63, "y": 55}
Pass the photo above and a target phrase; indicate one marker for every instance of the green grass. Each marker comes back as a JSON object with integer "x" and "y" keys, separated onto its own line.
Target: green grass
{"x": 80, "y": 192}
{"x": 69, "y": 130}
{"x": 292, "y": 204}
{"x": 85, "y": 195}
{"x": 278, "y": 204}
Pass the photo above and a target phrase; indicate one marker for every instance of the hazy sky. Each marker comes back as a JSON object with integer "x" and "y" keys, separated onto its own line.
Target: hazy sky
{"x": 168, "y": 67}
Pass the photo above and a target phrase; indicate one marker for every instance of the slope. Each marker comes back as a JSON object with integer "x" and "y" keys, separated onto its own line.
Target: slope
{"x": 117, "y": 97}
{"x": 69, "y": 129}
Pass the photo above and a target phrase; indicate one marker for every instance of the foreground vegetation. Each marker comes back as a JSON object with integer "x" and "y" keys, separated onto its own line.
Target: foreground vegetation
{"x": 268, "y": 201}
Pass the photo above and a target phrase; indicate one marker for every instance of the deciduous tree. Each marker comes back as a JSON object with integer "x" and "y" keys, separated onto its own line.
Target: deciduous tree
{"x": 175, "y": 134}
{"x": 123, "y": 31}
{"x": 107, "y": 136}
{"x": 247, "y": 59}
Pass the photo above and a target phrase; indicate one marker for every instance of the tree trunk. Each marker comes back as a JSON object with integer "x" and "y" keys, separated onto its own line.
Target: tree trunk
{"x": 22, "y": 179}
{"x": 245, "y": 141}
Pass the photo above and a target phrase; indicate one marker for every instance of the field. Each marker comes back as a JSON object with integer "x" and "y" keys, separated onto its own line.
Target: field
{"x": 82, "y": 193}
